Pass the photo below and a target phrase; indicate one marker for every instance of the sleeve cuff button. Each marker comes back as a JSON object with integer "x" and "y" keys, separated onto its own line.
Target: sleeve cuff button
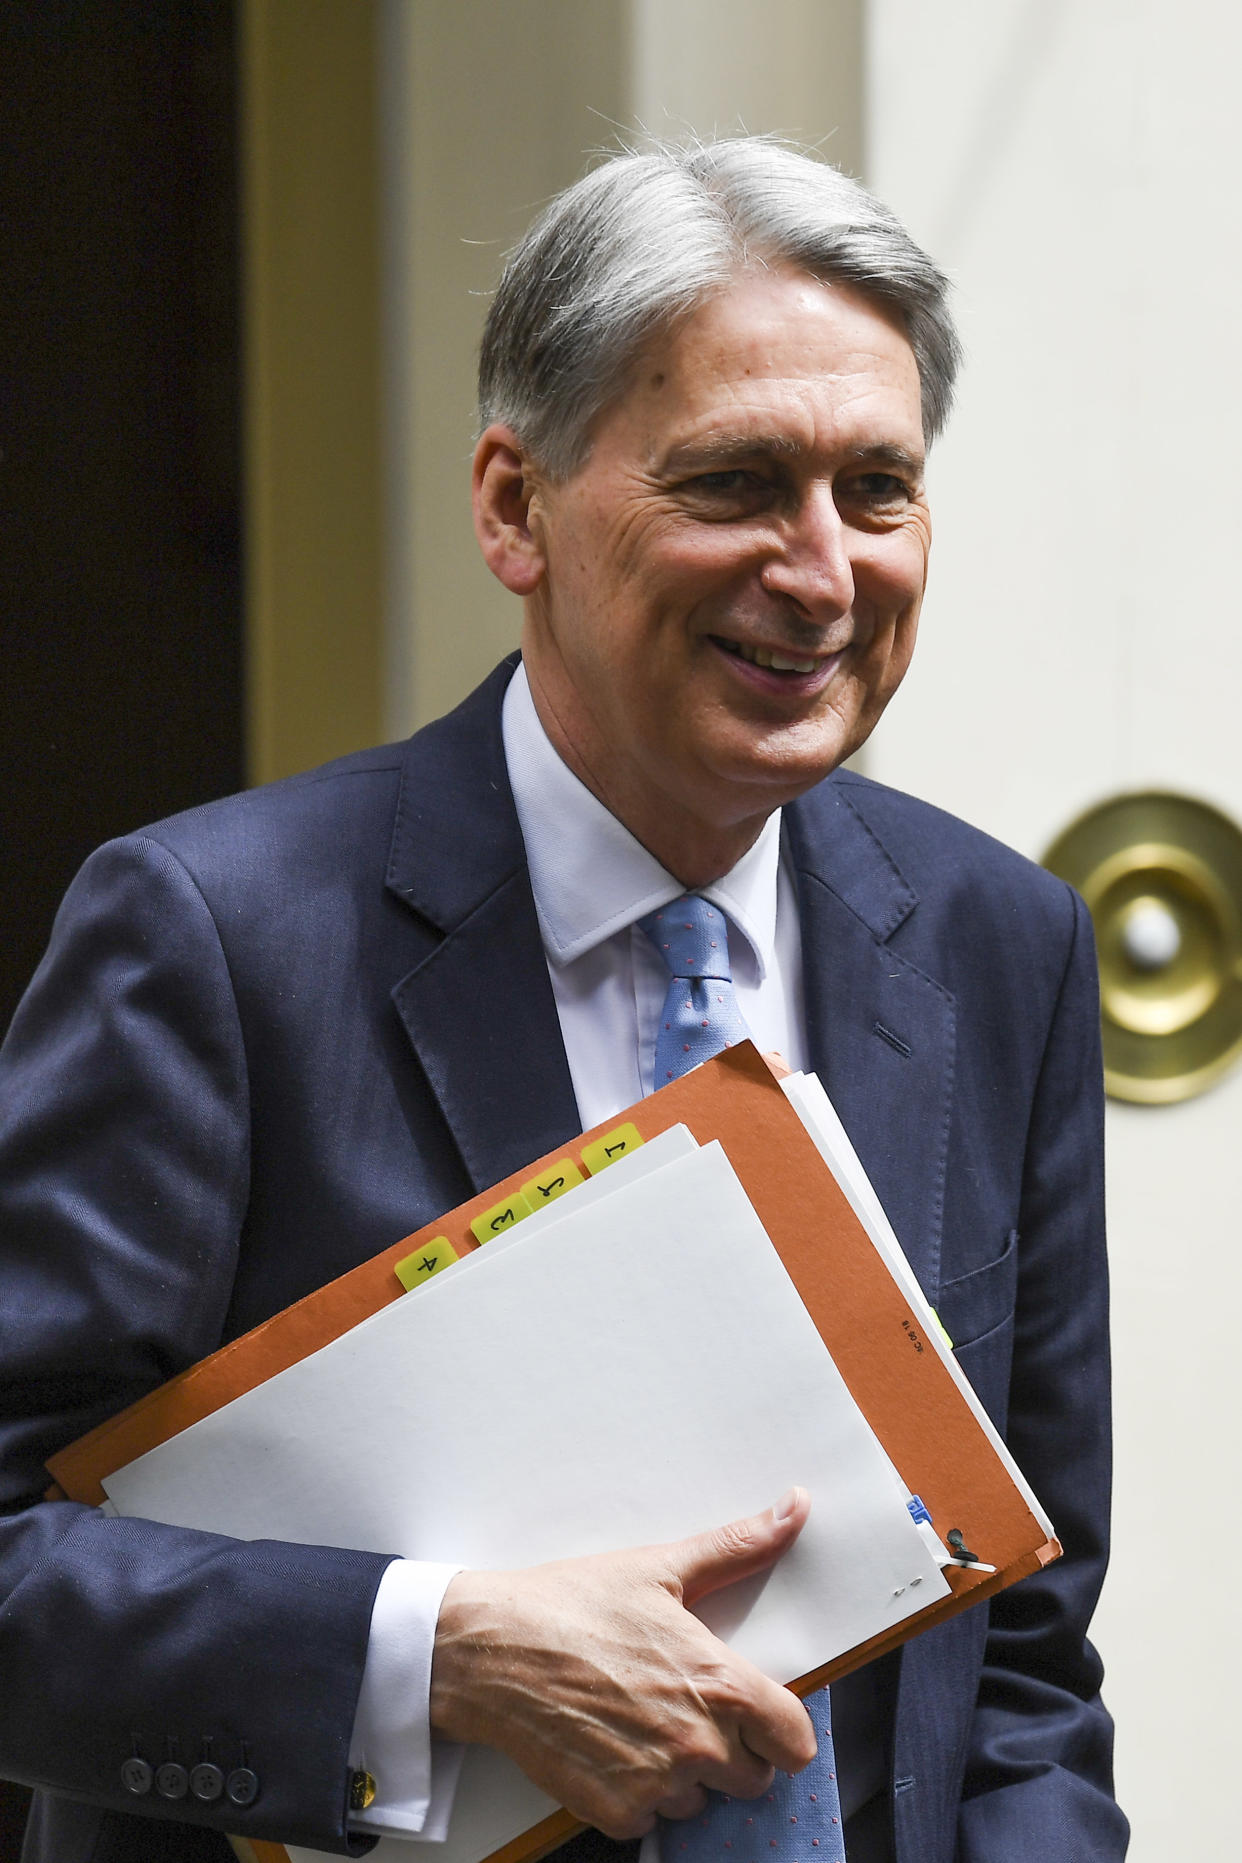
{"x": 206, "y": 1782}
{"x": 172, "y": 1780}
{"x": 136, "y": 1777}
{"x": 242, "y": 1786}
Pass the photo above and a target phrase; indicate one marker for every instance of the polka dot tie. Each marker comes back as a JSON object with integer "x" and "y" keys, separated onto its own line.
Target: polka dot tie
{"x": 799, "y": 1820}
{"x": 700, "y": 1014}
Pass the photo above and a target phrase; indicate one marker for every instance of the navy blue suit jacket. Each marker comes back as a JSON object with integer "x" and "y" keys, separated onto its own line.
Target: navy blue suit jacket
{"x": 256, "y": 1054}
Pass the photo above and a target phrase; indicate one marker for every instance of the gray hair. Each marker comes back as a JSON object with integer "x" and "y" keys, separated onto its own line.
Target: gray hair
{"x": 648, "y": 237}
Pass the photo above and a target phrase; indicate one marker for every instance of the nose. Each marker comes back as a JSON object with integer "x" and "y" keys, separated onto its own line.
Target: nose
{"x": 811, "y": 565}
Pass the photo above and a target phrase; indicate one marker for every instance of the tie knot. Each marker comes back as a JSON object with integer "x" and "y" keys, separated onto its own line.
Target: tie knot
{"x": 691, "y": 937}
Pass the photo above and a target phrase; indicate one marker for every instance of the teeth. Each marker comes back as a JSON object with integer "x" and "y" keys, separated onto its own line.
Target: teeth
{"x": 779, "y": 662}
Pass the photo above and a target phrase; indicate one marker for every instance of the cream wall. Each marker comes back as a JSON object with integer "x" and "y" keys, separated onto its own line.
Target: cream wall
{"x": 712, "y": 67}
{"x": 1076, "y": 168}
{"x": 486, "y": 111}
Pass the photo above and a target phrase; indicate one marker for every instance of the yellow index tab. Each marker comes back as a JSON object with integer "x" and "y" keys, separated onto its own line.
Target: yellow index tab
{"x": 500, "y": 1217}
{"x": 602, "y": 1152}
{"x": 940, "y": 1328}
{"x": 424, "y": 1262}
{"x": 552, "y": 1182}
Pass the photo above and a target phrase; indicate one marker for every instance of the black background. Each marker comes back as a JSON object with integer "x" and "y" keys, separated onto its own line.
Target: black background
{"x": 120, "y": 593}
{"x": 120, "y": 478}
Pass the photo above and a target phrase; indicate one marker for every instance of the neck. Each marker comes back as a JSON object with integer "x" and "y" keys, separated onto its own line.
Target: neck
{"x": 696, "y": 860}
{"x": 693, "y": 849}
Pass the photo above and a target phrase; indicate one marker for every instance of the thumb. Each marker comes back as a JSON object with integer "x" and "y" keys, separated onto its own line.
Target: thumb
{"x": 706, "y": 1561}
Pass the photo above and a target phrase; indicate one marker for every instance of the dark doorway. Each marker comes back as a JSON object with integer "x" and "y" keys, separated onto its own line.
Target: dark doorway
{"x": 120, "y": 610}
{"x": 120, "y": 617}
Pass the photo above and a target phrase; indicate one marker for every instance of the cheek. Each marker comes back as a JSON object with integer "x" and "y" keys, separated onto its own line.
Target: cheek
{"x": 900, "y": 581}
{"x": 890, "y": 670}
{"x": 894, "y": 602}
{"x": 887, "y": 656}
{"x": 894, "y": 574}
{"x": 892, "y": 649}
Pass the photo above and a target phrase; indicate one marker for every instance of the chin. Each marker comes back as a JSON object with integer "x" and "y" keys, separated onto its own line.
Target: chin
{"x": 744, "y": 791}
{"x": 793, "y": 769}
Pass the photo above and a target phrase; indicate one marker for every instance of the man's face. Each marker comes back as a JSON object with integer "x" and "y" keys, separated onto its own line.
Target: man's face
{"x": 731, "y": 583}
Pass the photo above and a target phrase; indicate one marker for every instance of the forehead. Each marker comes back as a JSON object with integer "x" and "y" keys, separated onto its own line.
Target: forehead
{"x": 777, "y": 354}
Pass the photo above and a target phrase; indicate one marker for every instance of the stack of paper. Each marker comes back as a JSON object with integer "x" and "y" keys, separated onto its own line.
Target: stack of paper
{"x": 642, "y": 1358}
{"x": 630, "y": 1366}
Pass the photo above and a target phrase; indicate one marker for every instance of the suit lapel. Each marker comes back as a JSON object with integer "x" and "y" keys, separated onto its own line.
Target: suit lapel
{"x": 881, "y": 1032}
{"x": 478, "y": 1006}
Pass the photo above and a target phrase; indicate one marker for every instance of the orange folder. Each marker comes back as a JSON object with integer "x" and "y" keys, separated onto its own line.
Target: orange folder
{"x": 879, "y": 1345}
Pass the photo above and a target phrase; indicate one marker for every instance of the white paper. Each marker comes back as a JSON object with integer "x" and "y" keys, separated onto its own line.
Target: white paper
{"x": 806, "y": 1095}
{"x": 634, "y": 1373}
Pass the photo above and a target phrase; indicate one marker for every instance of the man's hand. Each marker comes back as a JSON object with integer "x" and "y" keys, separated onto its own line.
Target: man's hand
{"x": 593, "y": 1676}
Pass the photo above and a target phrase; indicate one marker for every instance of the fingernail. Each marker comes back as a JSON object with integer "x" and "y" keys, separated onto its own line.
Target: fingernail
{"x": 785, "y": 1506}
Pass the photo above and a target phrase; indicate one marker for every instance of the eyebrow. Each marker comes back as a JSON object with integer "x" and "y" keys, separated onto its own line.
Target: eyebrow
{"x": 718, "y": 451}
{"x": 888, "y": 453}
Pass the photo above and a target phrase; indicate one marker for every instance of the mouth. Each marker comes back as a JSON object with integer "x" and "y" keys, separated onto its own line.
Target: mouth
{"x": 764, "y": 656}
{"x": 776, "y": 669}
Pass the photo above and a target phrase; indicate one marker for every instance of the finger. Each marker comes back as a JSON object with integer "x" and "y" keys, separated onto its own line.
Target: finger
{"x": 777, "y": 1727}
{"x": 687, "y": 1803}
{"x": 622, "y": 1829}
{"x": 744, "y": 1775}
{"x": 706, "y": 1561}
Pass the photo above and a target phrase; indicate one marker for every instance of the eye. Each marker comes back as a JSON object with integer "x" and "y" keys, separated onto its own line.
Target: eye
{"x": 732, "y": 480}
{"x": 734, "y": 491}
{"x": 879, "y": 488}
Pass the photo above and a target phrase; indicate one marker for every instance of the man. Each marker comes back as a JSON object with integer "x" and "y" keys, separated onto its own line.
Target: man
{"x": 274, "y": 1035}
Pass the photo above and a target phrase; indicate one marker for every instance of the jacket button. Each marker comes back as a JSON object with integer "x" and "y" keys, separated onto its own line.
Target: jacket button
{"x": 172, "y": 1780}
{"x": 242, "y": 1786}
{"x": 206, "y": 1781}
{"x": 136, "y": 1776}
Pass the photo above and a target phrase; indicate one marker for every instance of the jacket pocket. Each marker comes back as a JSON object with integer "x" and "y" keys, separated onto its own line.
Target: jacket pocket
{"x": 975, "y": 1304}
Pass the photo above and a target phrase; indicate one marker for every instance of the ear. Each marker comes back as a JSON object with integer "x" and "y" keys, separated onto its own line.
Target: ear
{"x": 502, "y": 486}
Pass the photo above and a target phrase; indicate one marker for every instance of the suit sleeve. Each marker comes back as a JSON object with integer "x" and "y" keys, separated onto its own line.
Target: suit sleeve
{"x": 1039, "y": 1769}
{"x": 124, "y": 1125}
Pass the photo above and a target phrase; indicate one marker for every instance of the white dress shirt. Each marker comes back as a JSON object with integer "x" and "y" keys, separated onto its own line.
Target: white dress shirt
{"x": 591, "y": 881}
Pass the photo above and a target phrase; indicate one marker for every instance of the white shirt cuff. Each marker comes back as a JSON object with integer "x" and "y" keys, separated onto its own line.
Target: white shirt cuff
{"x": 415, "y": 1775}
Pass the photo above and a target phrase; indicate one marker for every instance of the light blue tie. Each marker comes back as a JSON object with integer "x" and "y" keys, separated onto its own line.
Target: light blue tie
{"x": 700, "y": 1014}
{"x": 799, "y": 1820}
{"x": 801, "y": 1816}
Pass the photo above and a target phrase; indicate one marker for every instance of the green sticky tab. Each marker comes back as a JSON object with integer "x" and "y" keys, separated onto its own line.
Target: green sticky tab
{"x": 424, "y": 1262}
{"x": 552, "y": 1182}
{"x": 500, "y": 1217}
{"x": 940, "y": 1329}
{"x": 602, "y": 1152}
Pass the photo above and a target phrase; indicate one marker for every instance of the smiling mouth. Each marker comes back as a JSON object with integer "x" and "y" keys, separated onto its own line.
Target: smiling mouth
{"x": 770, "y": 658}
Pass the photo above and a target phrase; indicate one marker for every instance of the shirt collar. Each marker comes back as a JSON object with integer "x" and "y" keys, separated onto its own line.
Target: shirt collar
{"x": 589, "y": 875}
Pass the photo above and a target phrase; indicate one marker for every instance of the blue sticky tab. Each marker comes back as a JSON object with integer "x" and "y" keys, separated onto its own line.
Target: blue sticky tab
{"x": 918, "y": 1513}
